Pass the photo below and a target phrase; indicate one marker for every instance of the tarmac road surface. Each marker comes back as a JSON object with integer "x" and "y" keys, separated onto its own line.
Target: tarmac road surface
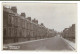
{"x": 54, "y": 43}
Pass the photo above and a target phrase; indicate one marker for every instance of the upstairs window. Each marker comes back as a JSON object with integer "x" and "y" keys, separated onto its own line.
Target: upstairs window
{"x": 9, "y": 32}
{"x": 9, "y": 19}
{"x": 4, "y": 32}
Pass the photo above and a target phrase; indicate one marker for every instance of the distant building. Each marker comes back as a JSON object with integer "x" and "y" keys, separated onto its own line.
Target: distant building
{"x": 69, "y": 33}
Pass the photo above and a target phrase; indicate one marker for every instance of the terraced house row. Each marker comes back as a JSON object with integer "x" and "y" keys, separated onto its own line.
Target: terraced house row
{"x": 69, "y": 33}
{"x": 18, "y": 28}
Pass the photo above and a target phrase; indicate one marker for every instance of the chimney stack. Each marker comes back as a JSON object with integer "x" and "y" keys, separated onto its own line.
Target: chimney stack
{"x": 23, "y": 14}
{"x": 42, "y": 24}
{"x": 29, "y": 18}
{"x": 35, "y": 21}
{"x": 14, "y": 9}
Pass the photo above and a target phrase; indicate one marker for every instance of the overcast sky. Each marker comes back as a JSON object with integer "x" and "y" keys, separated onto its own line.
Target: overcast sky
{"x": 54, "y": 16}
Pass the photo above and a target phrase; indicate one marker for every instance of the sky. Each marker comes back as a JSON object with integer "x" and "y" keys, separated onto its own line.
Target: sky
{"x": 55, "y": 16}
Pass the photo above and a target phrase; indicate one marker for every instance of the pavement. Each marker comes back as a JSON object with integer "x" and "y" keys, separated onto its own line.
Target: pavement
{"x": 56, "y": 43}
